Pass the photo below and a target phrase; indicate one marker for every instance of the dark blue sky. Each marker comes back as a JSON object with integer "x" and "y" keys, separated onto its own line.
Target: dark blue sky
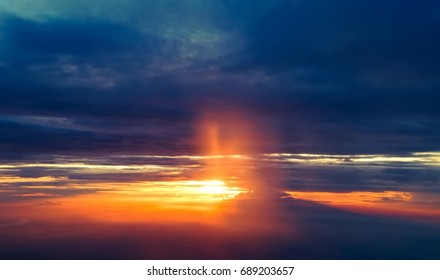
{"x": 336, "y": 76}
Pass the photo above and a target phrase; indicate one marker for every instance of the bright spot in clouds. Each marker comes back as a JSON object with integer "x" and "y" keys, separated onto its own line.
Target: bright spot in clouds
{"x": 217, "y": 187}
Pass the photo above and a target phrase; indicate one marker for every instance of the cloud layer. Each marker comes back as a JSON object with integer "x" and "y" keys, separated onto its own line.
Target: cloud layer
{"x": 332, "y": 77}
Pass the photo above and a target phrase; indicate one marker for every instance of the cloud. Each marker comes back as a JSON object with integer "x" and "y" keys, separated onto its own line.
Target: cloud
{"x": 93, "y": 94}
{"x": 339, "y": 37}
{"x": 334, "y": 78}
{"x": 415, "y": 174}
{"x": 63, "y": 37}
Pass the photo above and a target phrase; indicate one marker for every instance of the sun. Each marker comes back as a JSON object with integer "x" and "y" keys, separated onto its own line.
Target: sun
{"x": 213, "y": 187}
{"x": 217, "y": 188}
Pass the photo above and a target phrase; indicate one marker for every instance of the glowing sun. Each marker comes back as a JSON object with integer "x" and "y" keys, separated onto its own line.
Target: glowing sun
{"x": 217, "y": 188}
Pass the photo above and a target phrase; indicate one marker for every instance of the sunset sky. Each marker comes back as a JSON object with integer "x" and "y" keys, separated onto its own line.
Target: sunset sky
{"x": 166, "y": 129}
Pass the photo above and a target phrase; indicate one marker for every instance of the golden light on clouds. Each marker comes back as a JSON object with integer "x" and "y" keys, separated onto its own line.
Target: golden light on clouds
{"x": 353, "y": 198}
{"x": 17, "y": 179}
{"x": 173, "y": 191}
{"x": 95, "y": 168}
{"x": 424, "y": 159}
{"x": 388, "y": 203}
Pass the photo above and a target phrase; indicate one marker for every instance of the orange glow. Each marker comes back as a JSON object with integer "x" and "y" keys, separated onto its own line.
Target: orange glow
{"x": 128, "y": 208}
{"x": 169, "y": 191}
{"x": 219, "y": 137}
{"x": 352, "y": 198}
{"x": 204, "y": 202}
{"x": 230, "y": 140}
{"x": 16, "y": 179}
{"x": 169, "y": 202}
{"x": 38, "y": 195}
{"x": 208, "y": 194}
{"x": 119, "y": 209}
{"x": 391, "y": 203}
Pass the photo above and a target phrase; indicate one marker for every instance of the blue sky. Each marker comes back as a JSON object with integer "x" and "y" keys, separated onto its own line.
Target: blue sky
{"x": 335, "y": 77}
{"x": 343, "y": 94}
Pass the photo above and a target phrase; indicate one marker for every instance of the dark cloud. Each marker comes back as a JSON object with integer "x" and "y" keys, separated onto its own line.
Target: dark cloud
{"x": 362, "y": 74}
{"x": 84, "y": 52}
{"x": 83, "y": 38}
{"x": 362, "y": 178}
{"x": 18, "y": 138}
{"x": 330, "y": 77}
{"x": 343, "y": 38}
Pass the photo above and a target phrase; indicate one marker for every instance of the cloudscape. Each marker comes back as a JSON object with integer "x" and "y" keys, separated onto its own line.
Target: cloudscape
{"x": 219, "y": 129}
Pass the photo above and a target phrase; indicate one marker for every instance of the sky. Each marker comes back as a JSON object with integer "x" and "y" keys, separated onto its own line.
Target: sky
{"x": 311, "y": 124}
